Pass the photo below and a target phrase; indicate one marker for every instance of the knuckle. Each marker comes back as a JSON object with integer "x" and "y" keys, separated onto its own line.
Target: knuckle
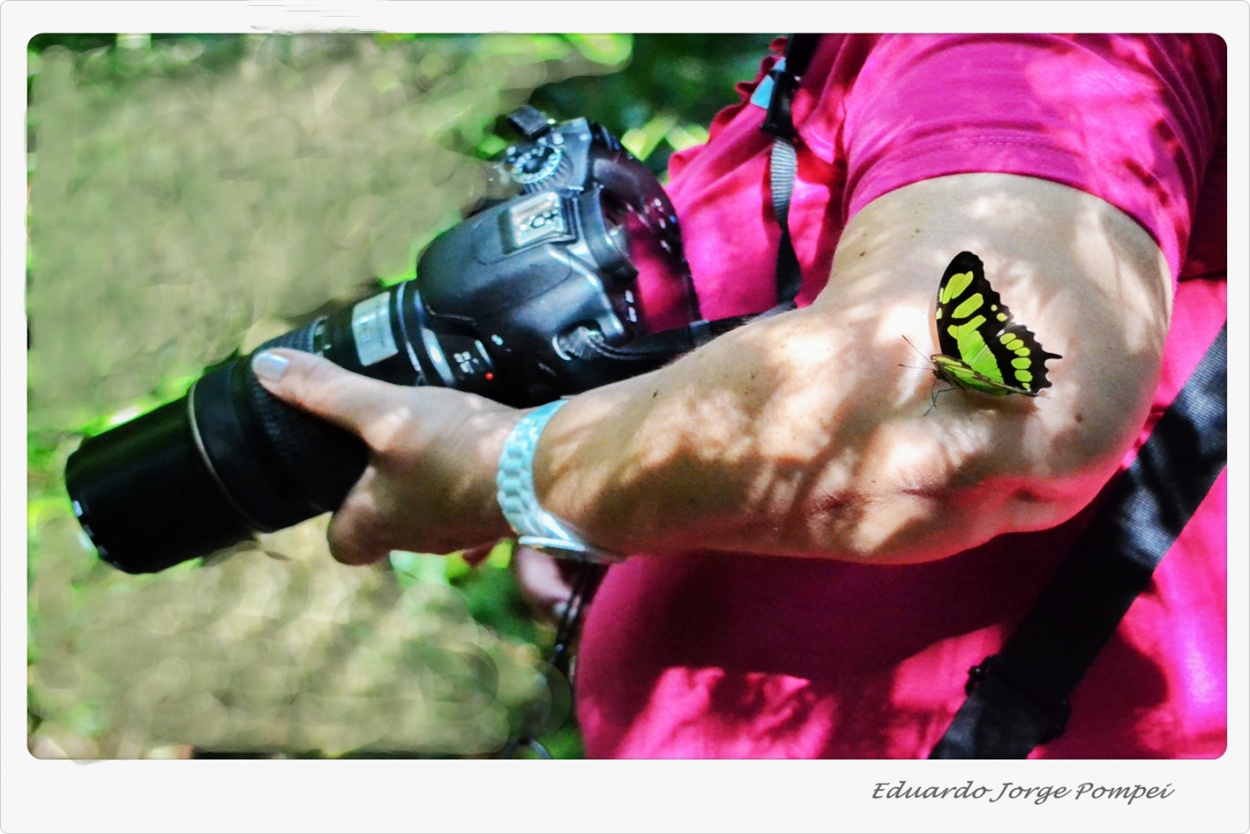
{"x": 317, "y": 384}
{"x": 391, "y": 432}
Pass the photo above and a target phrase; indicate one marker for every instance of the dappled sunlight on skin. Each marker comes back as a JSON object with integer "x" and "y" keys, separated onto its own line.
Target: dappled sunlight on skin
{"x": 428, "y": 484}
{"x": 387, "y": 431}
{"x": 825, "y": 450}
{"x": 802, "y": 435}
{"x": 1101, "y": 243}
{"x": 1151, "y": 304}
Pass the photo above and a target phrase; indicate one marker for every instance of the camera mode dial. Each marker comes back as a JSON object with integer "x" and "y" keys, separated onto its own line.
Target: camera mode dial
{"x": 535, "y": 164}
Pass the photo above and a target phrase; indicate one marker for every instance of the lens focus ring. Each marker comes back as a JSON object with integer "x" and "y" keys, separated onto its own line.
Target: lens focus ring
{"x": 322, "y": 460}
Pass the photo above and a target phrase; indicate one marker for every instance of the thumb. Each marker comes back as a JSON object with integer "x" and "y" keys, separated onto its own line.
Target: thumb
{"x": 322, "y": 388}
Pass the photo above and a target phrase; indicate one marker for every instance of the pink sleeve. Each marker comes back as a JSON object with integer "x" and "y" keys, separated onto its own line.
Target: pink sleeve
{"x": 1132, "y": 120}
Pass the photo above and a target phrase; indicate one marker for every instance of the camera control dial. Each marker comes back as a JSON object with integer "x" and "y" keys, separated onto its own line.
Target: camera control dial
{"x": 535, "y": 164}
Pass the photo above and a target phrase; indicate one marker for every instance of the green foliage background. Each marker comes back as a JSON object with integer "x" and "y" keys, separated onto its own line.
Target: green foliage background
{"x": 193, "y": 195}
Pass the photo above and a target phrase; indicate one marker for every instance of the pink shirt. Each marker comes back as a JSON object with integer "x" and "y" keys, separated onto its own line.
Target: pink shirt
{"x": 724, "y": 655}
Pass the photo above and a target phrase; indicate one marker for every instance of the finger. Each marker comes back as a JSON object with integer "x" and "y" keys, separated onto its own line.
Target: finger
{"x": 354, "y": 539}
{"x": 539, "y": 578}
{"x": 317, "y": 385}
{"x": 356, "y": 535}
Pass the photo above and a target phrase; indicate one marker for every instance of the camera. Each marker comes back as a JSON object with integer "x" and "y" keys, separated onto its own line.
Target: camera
{"x": 549, "y": 291}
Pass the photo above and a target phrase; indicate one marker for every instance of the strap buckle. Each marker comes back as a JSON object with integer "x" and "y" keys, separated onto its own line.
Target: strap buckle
{"x": 780, "y": 90}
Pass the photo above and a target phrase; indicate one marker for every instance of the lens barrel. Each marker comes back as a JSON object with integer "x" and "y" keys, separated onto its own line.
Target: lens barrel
{"x": 145, "y": 497}
{"x": 210, "y": 470}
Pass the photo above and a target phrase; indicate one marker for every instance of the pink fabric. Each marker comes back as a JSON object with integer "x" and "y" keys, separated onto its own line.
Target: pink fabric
{"x": 723, "y": 655}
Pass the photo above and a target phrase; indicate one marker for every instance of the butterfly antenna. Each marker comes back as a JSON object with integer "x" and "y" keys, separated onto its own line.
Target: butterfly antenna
{"x": 918, "y": 351}
{"x": 913, "y": 347}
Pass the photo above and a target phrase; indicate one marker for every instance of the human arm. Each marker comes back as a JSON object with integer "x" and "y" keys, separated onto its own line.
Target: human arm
{"x": 800, "y": 434}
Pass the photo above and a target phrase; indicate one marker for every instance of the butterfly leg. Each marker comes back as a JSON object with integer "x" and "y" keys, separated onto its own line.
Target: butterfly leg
{"x": 935, "y": 392}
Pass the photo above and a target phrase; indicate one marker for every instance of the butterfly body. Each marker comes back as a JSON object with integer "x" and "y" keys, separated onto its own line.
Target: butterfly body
{"x": 983, "y": 348}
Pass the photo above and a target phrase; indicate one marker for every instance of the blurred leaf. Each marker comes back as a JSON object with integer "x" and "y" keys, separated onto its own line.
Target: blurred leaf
{"x": 686, "y": 136}
{"x": 604, "y": 49}
{"x": 495, "y": 601}
{"x": 564, "y": 743}
{"x": 418, "y": 568}
{"x": 641, "y": 141}
{"x": 689, "y": 75}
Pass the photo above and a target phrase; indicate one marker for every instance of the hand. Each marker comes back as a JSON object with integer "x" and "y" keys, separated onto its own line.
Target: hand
{"x": 429, "y": 485}
{"x": 541, "y": 582}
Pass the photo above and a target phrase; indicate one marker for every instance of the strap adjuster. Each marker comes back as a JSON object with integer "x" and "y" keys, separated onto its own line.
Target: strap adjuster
{"x": 777, "y": 119}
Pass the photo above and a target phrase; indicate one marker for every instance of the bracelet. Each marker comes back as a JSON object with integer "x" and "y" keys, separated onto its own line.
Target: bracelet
{"x": 534, "y": 526}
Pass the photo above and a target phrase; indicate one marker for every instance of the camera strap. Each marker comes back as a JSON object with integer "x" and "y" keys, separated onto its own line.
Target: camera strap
{"x": 655, "y": 349}
{"x": 542, "y": 714}
{"x": 780, "y": 86}
{"x": 776, "y": 94}
{"x": 1018, "y": 699}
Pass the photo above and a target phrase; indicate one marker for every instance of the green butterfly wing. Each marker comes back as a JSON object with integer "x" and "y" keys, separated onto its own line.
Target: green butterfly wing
{"x": 983, "y": 349}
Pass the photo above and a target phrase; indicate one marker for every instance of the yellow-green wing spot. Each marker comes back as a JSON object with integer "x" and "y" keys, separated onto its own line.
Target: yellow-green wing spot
{"x": 953, "y": 287}
{"x": 983, "y": 349}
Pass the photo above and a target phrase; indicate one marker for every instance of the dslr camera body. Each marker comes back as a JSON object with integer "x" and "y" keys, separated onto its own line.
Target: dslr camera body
{"x": 528, "y": 299}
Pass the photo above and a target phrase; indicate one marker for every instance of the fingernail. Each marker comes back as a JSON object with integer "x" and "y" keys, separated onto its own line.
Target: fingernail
{"x": 269, "y": 366}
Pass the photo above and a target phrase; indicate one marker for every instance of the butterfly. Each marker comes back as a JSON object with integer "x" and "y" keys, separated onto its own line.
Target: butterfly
{"x": 983, "y": 348}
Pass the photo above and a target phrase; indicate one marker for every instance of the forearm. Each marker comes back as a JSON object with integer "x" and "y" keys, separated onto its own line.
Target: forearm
{"x": 767, "y": 441}
{"x": 801, "y": 434}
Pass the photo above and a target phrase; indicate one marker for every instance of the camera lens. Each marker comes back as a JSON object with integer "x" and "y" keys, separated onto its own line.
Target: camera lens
{"x": 145, "y": 497}
{"x": 209, "y": 470}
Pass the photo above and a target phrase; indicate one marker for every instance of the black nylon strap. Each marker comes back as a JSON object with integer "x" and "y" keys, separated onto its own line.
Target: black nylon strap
{"x": 799, "y": 51}
{"x": 1018, "y": 699}
{"x": 657, "y": 348}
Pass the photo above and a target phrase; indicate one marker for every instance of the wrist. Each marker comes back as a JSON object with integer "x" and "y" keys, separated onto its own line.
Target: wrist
{"x": 466, "y": 481}
{"x": 533, "y": 525}
{"x": 488, "y": 454}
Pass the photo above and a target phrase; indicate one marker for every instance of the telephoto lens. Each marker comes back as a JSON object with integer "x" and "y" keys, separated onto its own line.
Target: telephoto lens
{"x": 209, "y": 470}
